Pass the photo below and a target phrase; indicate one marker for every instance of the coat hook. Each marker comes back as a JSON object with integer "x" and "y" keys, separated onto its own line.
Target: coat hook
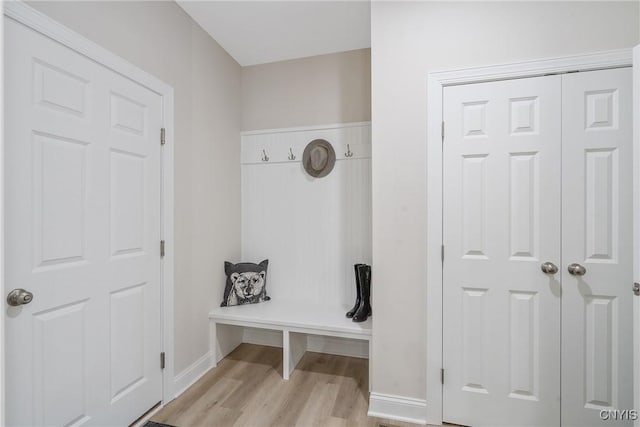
{"x": 348, "y": 153}
{"x": 265, "y": 158}
{"x": 291, "y": 156}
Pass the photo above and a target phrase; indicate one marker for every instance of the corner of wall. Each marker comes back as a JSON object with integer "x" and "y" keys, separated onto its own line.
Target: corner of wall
{"x": 193, "y": 373}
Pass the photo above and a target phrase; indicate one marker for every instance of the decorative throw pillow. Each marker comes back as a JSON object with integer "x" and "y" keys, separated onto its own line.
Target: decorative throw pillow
{"x": 246, "y": 283}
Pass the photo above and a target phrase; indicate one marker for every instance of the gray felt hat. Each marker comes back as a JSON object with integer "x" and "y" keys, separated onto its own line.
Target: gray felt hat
{"x": 318, "y": 158}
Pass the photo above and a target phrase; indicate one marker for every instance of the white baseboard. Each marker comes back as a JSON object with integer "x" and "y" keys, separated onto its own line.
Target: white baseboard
{"x": 316, "y": 343}
{"x": 193, "y": 373}
{"x": 398, "y": 408}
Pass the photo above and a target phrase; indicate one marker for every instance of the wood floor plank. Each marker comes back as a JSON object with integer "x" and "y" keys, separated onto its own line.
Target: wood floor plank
{"x": 317, "y": 410}
{"x": 251, "y": 378}
{"x": 295, "y": 396}
{"x": 351, "y": 388}
{"x": 247, "y": 390}
{"x": 199, "y": 405}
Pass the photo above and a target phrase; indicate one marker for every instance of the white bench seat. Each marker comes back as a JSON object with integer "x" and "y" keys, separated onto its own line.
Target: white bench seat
{"x": 294, "y": 319}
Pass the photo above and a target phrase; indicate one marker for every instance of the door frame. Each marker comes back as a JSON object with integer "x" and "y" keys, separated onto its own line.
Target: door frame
{"x": 636, "y": 226}
{"x": 436, "y": 82}
{"x": 37, "y": 21}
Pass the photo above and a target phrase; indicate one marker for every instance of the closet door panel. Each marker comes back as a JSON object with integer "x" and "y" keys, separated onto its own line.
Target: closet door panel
{"x": 501, "y": 316}
{"x": 596, "y": 234}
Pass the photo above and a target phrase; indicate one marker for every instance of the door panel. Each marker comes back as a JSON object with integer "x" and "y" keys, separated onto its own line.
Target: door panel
{"x": 501, "y": 221}
{"x": 82, "y": 231}
{"x": 60, "y": 365}
{"x": 596, "y": 228}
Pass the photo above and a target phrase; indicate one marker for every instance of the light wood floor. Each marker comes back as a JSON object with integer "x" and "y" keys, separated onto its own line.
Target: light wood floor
{"x": 247, "y": 389}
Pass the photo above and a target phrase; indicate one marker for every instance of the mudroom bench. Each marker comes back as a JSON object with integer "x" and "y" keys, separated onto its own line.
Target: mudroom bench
{"x": 295, "y": 320}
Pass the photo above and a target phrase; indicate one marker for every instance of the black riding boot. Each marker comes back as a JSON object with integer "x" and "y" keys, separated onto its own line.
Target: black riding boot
{"x": 351, "y": 312}
{"x": 364, "y": 310}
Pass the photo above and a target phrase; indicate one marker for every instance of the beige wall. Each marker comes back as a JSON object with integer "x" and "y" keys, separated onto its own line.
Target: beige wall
{"x": 410, "y": 39}
{"x": 162, "y": 40}
{"x": 318, "y": 90}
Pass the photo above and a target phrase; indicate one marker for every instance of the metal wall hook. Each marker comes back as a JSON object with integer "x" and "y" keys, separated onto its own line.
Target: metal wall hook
{"x": 265, "y": 158}
{"x": 291, "y": 156}
{"x": 348, "y": 153}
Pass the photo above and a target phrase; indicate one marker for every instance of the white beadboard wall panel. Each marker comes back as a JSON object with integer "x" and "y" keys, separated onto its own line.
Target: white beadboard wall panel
{"x": 312, "y": 230}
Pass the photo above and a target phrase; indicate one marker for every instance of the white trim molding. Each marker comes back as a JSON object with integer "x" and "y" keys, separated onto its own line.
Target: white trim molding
{"x": 305, "y": 128}
{"x": 436, "y": 81}
{"x": 517, "y": 70}
{"x": 398, "y": 408}
{"x": 26, "y": 15}
{"x": 2, "y": 251}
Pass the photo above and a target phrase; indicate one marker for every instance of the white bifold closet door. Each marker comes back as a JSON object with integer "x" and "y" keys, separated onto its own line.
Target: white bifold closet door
{"x": 597, "y": 233}
{"x": 82, "y": 197}
{"x": 502, "y": 156}
{"x": 534, "y": 172}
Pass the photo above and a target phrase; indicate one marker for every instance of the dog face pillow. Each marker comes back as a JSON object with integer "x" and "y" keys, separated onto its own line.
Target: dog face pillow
{"x": 246, "y": 283}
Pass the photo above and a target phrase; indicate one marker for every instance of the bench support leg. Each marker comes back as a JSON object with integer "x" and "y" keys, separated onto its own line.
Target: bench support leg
{"x": 286, "y": 355}
{"x": 294, "y": 345}
{"x": 213, "y": 342}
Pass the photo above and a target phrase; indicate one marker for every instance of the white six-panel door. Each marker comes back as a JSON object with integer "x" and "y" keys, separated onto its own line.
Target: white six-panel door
{"x": 597, "y": 233}
{"x": 501, "y": 221}
{"x": 82, "y": 234}
{"x": 526, "y": 182}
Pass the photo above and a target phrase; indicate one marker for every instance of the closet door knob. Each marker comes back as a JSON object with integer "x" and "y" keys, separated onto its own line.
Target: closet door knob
{"x": 19, "y": 297}
{"x": 576, "y": 269}
{"x": 549, "y": 268}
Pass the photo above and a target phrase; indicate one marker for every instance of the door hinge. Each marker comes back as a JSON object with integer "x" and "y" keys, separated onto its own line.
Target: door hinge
{"x": 162, "y": 136}
{"x": 636, "y": 289}
{"x": 162, "y": 360}
{"x": 442, "y": 376}
{"x": 442, "y": 253}
{"x": 161, "y": 248}
{"x": 443, "y": 131}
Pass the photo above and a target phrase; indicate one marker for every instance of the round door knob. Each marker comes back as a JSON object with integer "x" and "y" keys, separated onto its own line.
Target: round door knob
{"x": 19, "y": 297}
{"x": 576, "y": 269}
{"x": 549, "y": 268}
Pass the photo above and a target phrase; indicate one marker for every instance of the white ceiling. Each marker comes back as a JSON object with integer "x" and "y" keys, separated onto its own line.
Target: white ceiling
{"x": 257, "y": 32}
